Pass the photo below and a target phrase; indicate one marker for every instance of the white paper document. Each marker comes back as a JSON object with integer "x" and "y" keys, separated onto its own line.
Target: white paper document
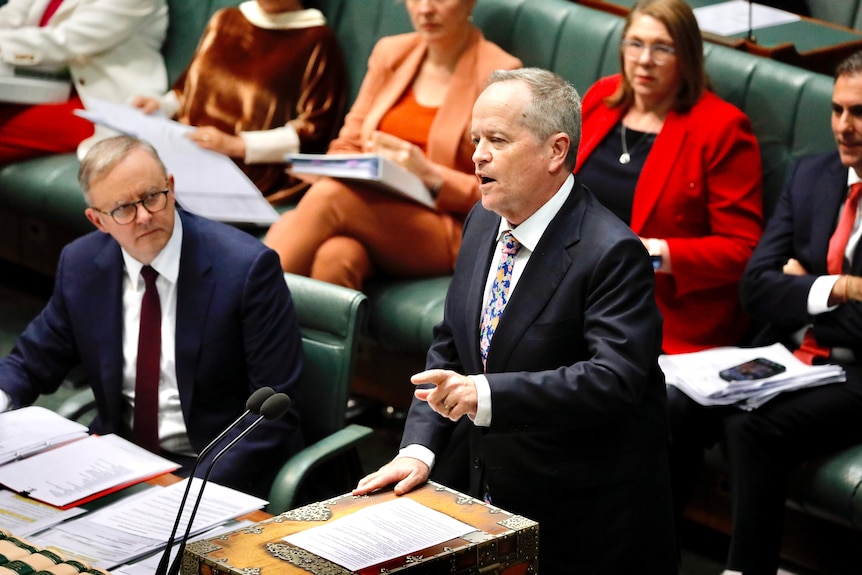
{"x": 24, "y": 516}
{"x": 140, "y": 524}
{"x": 32, "y": 429}
{"x": 379, "y": 533}
{"x": 206, "y": 182}
{"x": 76, "y": 472}
{"x": 733, "y": 17}
{"x": 148, "y": 565}
{"x": 368, "y": 168}
{"x": 696, "y": 374}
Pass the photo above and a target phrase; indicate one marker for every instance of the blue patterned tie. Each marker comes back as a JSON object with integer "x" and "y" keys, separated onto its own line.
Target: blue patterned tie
{"x": 499, "y": 294}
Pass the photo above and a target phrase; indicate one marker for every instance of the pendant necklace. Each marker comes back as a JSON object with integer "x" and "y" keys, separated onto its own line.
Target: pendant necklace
{"x": 626, "y": 156}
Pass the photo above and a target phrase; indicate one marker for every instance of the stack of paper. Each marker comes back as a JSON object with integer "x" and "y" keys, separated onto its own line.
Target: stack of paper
{"x": 696, "y": 374}
{"x": 32, "y": 429}
{"x": 83, "y": 470}
{"x": 140, "y": 524}
{"x": 369, "y": 168}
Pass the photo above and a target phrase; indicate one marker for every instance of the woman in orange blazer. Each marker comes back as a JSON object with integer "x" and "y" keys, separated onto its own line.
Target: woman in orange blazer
{"x": 414, "y": 107}
{"x": 682, "y": 168}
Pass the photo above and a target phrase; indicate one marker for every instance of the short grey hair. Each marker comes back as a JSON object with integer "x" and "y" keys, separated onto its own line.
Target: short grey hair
{"x": 106, "y": 154}
{"x": 555, "y": 105}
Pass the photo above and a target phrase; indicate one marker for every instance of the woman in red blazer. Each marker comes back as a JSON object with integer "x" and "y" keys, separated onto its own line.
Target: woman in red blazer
{"x": 682, "y": 168}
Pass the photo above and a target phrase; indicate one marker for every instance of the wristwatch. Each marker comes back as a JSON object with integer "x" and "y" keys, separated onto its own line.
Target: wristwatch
{"x": 654, "y": 249}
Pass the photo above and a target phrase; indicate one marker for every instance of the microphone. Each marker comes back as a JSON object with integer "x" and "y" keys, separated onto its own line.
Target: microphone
{"x": 253, "y": 406}
{"x": 273, "y": 408}
{"x": 751, "y": 37}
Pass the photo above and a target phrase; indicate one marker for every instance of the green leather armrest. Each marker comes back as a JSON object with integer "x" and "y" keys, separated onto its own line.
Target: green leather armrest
{"x": 293, "y": 473}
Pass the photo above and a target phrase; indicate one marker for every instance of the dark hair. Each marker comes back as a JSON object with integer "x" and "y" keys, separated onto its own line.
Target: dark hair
{"x": 850, "y": 66}
{"x": 681, "y": 24}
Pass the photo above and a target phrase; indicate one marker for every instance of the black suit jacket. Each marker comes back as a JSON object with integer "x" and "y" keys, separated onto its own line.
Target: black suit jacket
{"x": 236, "y": 331}
{"x": 578, "y": 434}
{"x": 800, "y": 227}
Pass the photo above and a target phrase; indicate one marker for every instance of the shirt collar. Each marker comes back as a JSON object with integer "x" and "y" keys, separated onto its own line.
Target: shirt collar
{"x": 283, "y": 20}
{"x": 852, "y": 177}
{"x": 167, "y": 262}
{"x": 530, "y": 231}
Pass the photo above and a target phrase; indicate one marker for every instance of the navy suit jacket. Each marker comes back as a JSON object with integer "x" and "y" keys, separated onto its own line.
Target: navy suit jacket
{"x": 578, "y": 435}
{"x": 800, "y": 227}
{"x": 236, "y": 332}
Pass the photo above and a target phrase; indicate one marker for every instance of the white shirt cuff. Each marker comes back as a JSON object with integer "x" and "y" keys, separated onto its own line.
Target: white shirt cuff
{"x": 419, "y": 452}
{"x": 5, "y": 401}
{"x": 483, "y": 400}
{"x": 818, "y": 296}
{"x": 270, "y": 146}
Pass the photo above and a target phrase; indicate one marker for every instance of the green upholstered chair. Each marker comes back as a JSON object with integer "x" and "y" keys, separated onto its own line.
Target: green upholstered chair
{"x": 330, "y": 319}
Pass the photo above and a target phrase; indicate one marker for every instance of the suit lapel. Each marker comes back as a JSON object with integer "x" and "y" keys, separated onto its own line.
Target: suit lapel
{"x": 539, "y": 281}
{"x": 658, "y": 168}
{"x": 195, "y": 287}
{"x": 826, "y": 204}
{"x": 106, "y": 296}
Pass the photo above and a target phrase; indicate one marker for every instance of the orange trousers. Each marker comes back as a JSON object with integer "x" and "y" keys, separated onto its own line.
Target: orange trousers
{"x": 344, "y": 233}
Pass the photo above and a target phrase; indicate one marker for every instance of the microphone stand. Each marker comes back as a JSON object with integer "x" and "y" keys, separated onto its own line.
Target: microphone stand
{"x": 253, "y": 405}
{"x": 273, "y": 408}
{"x": 751, "y": 37}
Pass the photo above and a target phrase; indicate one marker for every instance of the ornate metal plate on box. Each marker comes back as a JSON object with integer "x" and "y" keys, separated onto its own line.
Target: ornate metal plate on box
{"x": 502, "y": 544}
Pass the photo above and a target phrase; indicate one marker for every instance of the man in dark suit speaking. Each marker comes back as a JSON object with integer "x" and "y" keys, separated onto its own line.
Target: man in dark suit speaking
{"x": 549, "y": 347}
{"x": 174, "y": 319}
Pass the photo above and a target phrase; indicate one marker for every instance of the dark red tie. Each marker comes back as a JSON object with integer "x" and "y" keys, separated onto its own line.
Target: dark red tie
{"x": 146, "y": 424}
{"x": 49, "y": 11}
{"x": 810, "y": 350}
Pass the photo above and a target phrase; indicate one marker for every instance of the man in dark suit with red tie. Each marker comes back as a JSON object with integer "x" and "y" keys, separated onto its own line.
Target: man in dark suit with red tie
{"x": 803, "y": 280}
{"x": 174, "y": 319}
{"x": 556, "y": 384}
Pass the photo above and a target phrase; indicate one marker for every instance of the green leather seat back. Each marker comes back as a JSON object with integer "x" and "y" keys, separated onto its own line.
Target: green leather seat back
{"x": 186, "y": 24}
{"x": 842, "y": 12}
{"x": 789, "y": 109}
{"x": 358, "y": 25}
{"x": 330, "y": 318}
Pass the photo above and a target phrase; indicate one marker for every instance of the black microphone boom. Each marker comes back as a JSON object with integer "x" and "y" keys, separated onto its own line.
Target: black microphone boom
{"x": 253, "y": 406}
{"x": 273, "y": 408}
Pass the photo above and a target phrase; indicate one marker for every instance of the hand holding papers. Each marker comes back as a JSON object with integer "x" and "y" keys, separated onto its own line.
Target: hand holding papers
{"x": 368, "y": 168}
{"x": 697, "y": 374}
{"x": 207, "y": 183}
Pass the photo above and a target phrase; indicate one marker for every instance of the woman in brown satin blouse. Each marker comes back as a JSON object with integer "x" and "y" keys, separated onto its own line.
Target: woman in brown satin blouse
{"x": 267, "y": 79}
{"x": 414, "y": 107}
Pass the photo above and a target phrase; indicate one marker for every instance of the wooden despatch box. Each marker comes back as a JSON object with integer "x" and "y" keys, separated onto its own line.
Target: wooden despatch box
{"x": 502, "y": 544}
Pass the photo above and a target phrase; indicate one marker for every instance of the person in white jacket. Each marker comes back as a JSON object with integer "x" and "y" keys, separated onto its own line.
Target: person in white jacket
{"x": 110, "y": 48}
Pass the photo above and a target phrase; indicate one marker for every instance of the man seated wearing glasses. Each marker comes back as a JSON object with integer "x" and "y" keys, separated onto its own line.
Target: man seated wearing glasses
{"x": 174, "y": 319}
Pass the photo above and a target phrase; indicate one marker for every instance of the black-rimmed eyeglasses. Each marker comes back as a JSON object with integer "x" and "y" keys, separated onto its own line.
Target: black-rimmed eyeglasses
{"x": 659, "y": 53}
{"x": 126, "y": 213}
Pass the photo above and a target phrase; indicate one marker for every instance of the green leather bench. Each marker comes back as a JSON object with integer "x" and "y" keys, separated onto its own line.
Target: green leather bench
{"x": 41, "y": 207}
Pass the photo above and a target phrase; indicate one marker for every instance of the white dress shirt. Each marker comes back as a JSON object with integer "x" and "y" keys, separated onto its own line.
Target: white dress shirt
{"x": 528, "y": 234}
